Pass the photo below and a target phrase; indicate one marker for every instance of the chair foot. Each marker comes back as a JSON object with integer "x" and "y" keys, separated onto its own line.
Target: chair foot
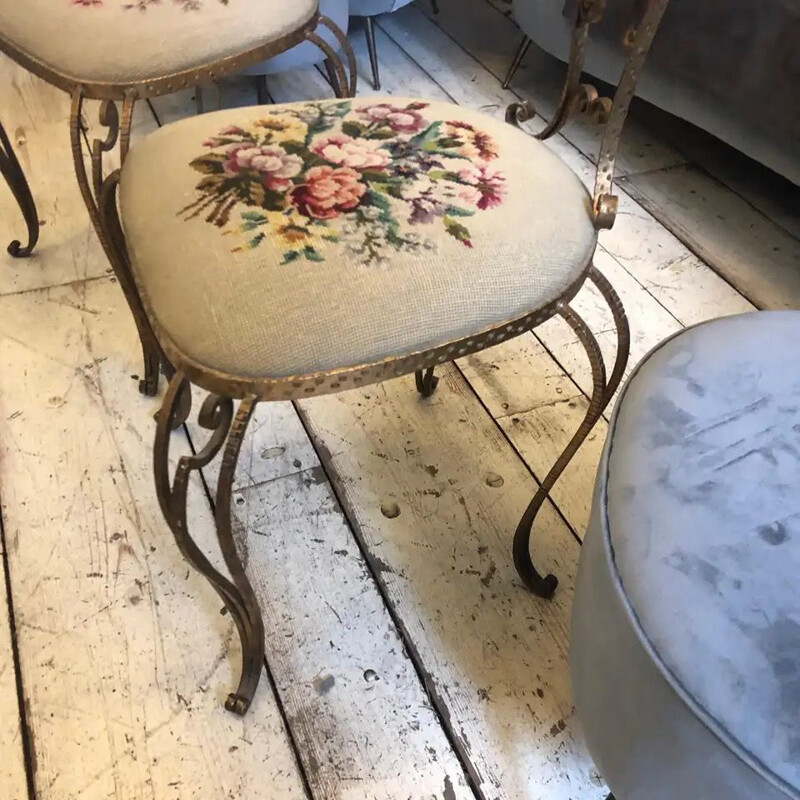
{"x": 435, "y": 6}
{"x": 610, "y": 797}
{"x": 373, "y": 52}
{"x": 426, "y": 381}
{"x": 518, "y": 56}
{"x": 11, "y": 170}
{"x": 148, "y": 385}
{"x": 216, "y": 415}
{"x": 602, "y": 391}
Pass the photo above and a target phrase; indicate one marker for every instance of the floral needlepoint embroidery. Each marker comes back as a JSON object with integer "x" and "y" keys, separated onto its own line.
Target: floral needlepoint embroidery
{"x": 369, "y": 178}
{"x": 143, "y": 5}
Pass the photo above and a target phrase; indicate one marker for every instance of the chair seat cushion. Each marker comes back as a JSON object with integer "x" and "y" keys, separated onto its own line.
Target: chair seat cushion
{"x": 701, "y": 488}
{"x": 125, "y": 41}
{"x": 300, "y": 238}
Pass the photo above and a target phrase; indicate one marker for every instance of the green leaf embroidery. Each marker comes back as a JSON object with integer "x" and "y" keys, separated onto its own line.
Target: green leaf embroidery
{"x": 457, "y": 230}
{"x": 456, "y": 211}
{"x": 294, "y": 147}
{"x": 444, "y": 175}
{"x": 380, "y": 133}
{"x": 252, "y": 220}
{"x": 210, "y": 163}
{"x": 312, "y": 254}
{"x": 353, "y": 129}
{"x": 289, "y": 256}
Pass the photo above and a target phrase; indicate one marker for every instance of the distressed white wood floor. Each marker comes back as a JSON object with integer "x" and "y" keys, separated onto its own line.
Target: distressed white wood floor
{"x": 405, "y": 659}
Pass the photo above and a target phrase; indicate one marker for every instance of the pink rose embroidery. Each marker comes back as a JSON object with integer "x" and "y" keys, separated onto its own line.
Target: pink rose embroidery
{"x": 348, "y": 152}
{"x": 484, "y": 187}
{"x": 276, "y": 166}
{"x": 328, "y": 191}
{"x": 404, "y": 120}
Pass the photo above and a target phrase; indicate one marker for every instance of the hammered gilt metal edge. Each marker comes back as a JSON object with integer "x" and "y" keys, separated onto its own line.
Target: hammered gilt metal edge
{"x": 296, "y": 387}
{"x": 164, "y": 84}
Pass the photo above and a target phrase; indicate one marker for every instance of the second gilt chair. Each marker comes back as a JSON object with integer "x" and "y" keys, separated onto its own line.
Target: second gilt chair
{"x": 122, "y": 51}
{"x": 308, "y": 248}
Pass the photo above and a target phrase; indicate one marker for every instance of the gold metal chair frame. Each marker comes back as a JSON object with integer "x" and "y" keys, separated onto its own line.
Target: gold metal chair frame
{"x": 99, "y": 191}
{"x": 11, "y": 170}
{"x": 227, "y": 429}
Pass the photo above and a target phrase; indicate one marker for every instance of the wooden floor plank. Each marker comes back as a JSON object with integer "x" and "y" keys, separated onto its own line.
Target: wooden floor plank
{"x": 36, "y": 118}
{"x": 434, "y": 493}
{"x": 124, "y": 654}
{"x": 773, "y": 195}
{"x": 357, "y": 709}
{"x": 757, "y": 256}
{"x": 12, "y": 761}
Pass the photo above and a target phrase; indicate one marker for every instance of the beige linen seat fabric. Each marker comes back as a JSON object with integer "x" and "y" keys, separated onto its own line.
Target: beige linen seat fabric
{"x": 270, "y": 242}
{"x": 123, "y": 41}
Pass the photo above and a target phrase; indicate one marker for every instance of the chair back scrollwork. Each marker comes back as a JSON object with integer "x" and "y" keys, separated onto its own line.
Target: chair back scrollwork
{"x": 578, "y": 97}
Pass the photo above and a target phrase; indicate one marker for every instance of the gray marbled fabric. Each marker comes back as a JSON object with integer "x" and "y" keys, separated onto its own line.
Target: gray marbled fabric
{"x": 703, "y": 515}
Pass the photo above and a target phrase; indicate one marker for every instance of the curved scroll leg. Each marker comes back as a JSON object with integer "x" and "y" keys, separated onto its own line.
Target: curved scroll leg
{"x": 345, "y": 81}
{"x": 99, "y": 195}
{"x": 602, "y": 392}
{"x": 216, "y": 415}
{"x": 11, "y": 170}
{"x": 518, "y": 56}
{"x": 426, "y": 381}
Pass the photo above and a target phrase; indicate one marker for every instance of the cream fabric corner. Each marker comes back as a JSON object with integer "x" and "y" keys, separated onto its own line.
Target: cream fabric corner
{"x": 290, "y": 239}
{"x": 123, "y": 41}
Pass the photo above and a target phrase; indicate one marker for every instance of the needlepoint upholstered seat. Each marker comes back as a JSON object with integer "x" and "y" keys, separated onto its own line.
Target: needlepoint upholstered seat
{"x": 127, "y": 41}
{"x": 316, "y": 236}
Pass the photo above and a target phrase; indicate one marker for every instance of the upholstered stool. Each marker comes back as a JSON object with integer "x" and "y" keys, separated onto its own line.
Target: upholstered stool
{"x": 12, "y": 172}
{"x": 121, "y": 51}
{"x": 686, "y": 626}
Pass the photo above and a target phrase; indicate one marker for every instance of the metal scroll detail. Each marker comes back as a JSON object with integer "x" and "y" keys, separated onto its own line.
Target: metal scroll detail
{"x": 99, "y": 193}
{"x": 575, "y": 96}
{"x": 11, "y": 170}
{"x": 603, "y": 389}
{"x": 344, "y": 84}
{"x": 426, "y": 381}
{"x": 216, "y": 415}
{"x": 637, "y": 42}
